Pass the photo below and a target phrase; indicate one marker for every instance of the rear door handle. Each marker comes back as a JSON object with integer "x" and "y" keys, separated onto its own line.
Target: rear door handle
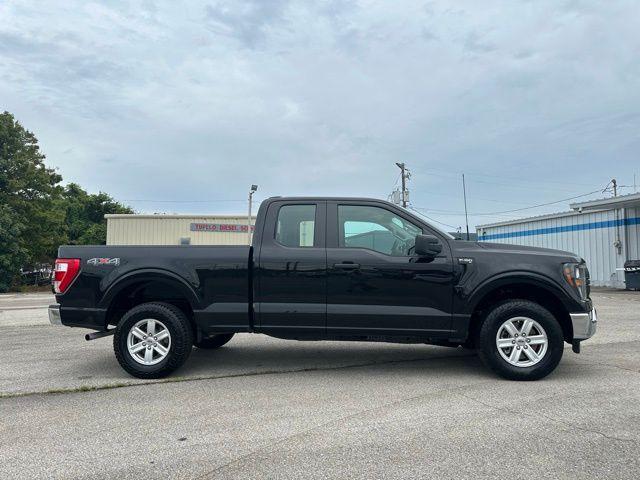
{"x": 346, "y": 265}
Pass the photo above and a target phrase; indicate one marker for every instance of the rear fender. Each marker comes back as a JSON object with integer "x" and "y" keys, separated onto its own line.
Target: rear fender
{"x": 150, "y": 275}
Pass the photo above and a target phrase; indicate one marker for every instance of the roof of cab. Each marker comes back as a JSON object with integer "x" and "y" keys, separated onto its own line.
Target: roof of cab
{"x": 357, "y": 199}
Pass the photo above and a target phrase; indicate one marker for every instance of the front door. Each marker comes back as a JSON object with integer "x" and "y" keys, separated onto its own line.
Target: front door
{"x": 292, "y": 270}
{"x": 376, "y": 284}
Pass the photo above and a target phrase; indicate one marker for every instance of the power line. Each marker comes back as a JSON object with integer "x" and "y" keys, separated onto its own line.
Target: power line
{"x": 417, "y": 210}
{"x": 515, "y": 183}
{"x": 397, "y": 178}
{"x": 514, "y": 179}
{"x": 529, "y": 207}
{"x": 540, "y": 205}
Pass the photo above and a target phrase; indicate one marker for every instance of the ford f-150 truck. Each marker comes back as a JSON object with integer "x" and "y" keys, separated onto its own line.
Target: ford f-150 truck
{"x": 329, "y": 269}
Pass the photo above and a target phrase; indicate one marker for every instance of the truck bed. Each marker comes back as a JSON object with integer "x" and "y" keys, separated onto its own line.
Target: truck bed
{"x": 214, "y": 279}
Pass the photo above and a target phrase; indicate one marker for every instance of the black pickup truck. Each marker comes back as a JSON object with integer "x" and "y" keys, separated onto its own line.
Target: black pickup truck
{"x": 329, "y": 269}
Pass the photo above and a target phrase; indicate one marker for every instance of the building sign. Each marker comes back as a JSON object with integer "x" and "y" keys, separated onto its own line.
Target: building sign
{"x": 220, "y": 227}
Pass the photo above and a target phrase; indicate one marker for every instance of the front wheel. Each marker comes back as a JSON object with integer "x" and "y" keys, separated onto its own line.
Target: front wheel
{"x": 152, "y": 340}
{"x": 521, "y": 340}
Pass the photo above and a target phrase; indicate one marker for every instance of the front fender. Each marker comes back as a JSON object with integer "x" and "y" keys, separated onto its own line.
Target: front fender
{"x": 475, "y": 296}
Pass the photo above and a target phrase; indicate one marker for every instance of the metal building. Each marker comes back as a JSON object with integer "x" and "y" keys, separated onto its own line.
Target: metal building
{"x": 604, "y": 232}
{"x": 124, "y": 229}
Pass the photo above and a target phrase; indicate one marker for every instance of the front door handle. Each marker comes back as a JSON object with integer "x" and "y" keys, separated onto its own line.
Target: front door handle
{"x": 346, "y": 265}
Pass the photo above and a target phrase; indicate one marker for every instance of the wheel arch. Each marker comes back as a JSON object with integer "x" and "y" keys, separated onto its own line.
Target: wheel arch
{"x": 149, "y": 285}
{"x": 537, "y": 289}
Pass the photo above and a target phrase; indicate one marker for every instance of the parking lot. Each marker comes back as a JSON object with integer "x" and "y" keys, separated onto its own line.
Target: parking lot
{"x": 267, "y": 408}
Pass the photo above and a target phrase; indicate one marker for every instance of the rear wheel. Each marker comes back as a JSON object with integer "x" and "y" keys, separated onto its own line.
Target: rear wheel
{"x": 152, "y": 340}
{"x": 215, "y": 341}
{"x": 521, "y": 340}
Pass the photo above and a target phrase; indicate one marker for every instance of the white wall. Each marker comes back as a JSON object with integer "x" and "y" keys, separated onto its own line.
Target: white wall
{"x": 633, "y": 233}
{"x": 168, "y": 229}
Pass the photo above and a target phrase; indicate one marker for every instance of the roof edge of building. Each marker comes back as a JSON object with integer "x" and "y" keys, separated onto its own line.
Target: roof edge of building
{"x": 169, "y": 216}
{"x": 580, "y": 208}
{"x": 631, "y": 199}
{"x": 515, "y": 221}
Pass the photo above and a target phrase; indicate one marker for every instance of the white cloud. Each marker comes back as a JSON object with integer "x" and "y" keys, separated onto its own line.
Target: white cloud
{"x": 199, "y": 100}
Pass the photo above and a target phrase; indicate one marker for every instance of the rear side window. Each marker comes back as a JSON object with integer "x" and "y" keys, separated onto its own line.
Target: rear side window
{"x": 296, "y": 225}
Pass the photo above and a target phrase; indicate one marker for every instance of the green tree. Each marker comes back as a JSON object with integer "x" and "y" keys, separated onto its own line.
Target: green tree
{"x": 37, "y": 214}
{"x": 31, "y": 228}
{"x": 13, "y": 255}
{"x": 84, "y": 215}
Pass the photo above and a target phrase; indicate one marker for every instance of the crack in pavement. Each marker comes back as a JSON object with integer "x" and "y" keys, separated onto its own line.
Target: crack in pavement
{"x": 124, "y": 384}
{"x": 601, "y": 364}
{"x": 551, "y": 419}
{"x": 454, "y": 390}
{"x": 271, "y": 448}
{"x": 92, "y": 388}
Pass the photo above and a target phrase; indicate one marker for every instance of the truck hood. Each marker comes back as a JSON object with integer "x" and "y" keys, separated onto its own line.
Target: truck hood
{"x": 469, "y": 248}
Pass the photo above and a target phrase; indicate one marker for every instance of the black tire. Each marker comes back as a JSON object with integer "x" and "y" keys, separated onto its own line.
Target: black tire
{"x": 216, "y": 341}
{"x": 488, "y": 350}
{"x": 181, "y": 339}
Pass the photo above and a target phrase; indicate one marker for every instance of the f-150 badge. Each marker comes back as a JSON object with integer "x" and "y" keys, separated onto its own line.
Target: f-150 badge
{"x": 104, "y": 261}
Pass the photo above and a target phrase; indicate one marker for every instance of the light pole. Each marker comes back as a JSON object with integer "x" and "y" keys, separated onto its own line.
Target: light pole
{"x": 251, "y": 192}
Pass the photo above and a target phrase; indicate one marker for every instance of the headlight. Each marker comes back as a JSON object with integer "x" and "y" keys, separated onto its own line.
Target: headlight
{"x": 577, "y": 275}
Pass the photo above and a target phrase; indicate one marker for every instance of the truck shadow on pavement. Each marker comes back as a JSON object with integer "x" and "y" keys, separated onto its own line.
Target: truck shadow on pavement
{"x": 265, "y": 356}
{"x": 250, "y": 356}
{"x": 285, "y": 357}
{"x": 92, "y": 365}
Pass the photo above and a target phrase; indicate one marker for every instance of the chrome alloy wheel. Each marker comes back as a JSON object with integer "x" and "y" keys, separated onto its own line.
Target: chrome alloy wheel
{"x": 522, "y": 342}
{"x": 149, "y": 341}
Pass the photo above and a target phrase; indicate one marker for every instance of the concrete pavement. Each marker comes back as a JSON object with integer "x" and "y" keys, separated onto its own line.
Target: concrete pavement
{"x": 21, "y": 309}
{"x": 265, "y": 408}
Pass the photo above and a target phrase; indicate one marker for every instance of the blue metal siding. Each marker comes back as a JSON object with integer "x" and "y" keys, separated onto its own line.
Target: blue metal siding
{"x": 590, "y": 235}
{"x": 564, "y": 228}
{"x": 633, "y": 234}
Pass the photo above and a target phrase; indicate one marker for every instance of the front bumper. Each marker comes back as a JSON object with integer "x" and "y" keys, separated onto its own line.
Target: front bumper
{"x": 584, "y": 324}
{"x": 54, "y": 315}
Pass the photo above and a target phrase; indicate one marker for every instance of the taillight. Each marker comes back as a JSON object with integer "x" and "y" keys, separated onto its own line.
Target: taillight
{"x": 65, "y": 271}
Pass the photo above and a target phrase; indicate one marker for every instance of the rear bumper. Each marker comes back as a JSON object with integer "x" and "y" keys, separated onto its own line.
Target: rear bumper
{"x": 54, "y": 315}
{"x": 584, "y": 324}
{"x": 93, "y": 318}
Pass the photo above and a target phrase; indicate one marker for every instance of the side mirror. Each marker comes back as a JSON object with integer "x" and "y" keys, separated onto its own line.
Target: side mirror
{"x": 428, "y": 246}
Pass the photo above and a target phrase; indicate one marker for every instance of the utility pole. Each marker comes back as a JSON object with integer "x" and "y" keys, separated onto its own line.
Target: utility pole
{"x": 617, "y": 243}
{"x": 466, "y": 216}
{"x": 251, "y": 192}
{"x": 405, "y": 174}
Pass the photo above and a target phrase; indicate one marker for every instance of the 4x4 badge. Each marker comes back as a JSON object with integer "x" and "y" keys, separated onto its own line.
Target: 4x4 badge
{"x": 104, "y": 261}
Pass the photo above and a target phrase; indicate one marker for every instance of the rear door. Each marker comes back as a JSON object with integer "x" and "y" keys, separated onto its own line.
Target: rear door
{"x": 376, "y": 284}
{"x": 292, "y": 270}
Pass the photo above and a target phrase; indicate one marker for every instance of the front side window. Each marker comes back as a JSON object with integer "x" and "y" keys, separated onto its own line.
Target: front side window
{"x": 377, "y": 229}
{"x": 296, "y": 225}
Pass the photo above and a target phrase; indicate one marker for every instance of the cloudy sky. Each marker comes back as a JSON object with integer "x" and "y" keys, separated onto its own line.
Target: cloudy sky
{"x": 180, "y": 106}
